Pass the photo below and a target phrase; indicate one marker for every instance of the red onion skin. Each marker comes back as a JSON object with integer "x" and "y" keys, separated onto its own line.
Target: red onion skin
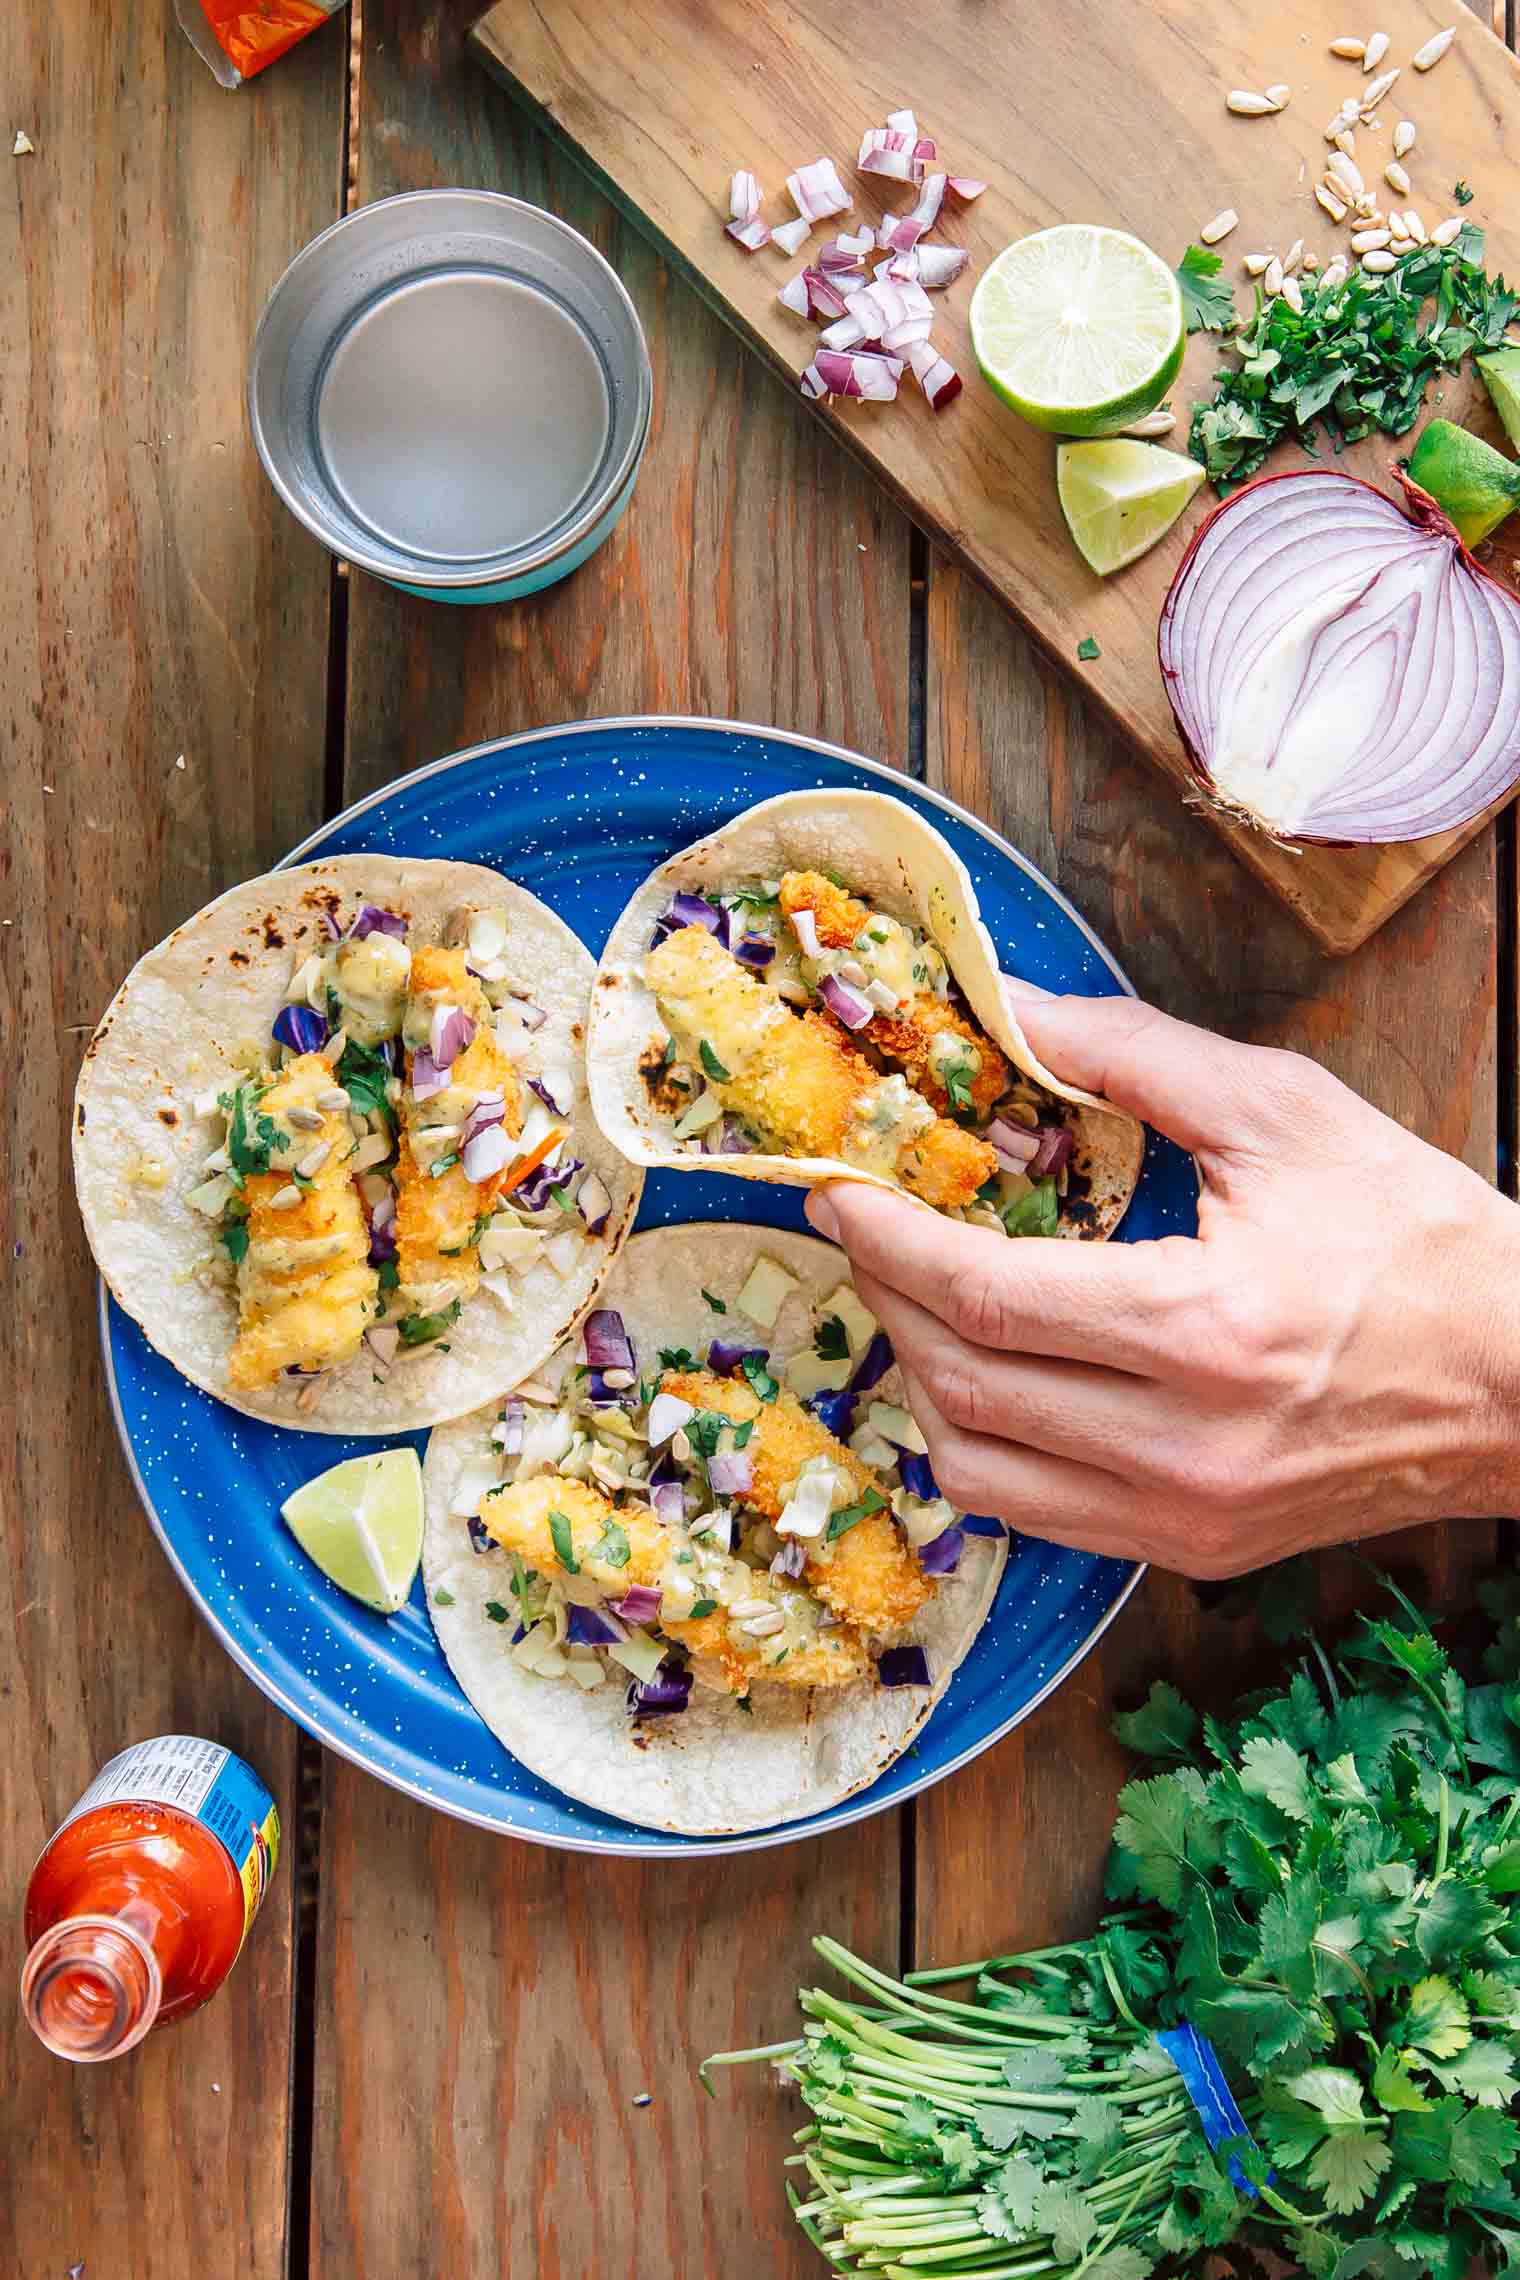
{"x": 1424, "y": 513}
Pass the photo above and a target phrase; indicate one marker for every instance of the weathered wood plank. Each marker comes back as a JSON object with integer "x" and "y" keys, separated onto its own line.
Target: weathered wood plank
{"x": 1010, "y": 1851}
{"x": 158, "y": 603}
{"x": 489, "y": 2010}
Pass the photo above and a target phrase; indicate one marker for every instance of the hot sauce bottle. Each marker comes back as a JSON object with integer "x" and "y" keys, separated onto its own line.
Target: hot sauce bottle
{"x": 140, "y": 1902}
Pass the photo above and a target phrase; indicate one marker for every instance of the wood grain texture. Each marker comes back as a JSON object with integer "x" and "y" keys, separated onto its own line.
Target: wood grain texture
{"x": 157, "y": 603}
{"x": 1071, "y": 110}
{"x": 488, "y": 2011}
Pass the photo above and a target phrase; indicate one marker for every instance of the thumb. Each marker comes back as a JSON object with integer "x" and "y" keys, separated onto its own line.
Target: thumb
{"x": 1200, "y": 1090}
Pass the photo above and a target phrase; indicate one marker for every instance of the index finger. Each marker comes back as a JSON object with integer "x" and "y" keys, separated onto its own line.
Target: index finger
{"x": 1116, "y": 1303}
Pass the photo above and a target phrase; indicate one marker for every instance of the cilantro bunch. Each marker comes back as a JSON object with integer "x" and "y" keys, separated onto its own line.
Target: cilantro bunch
{"x": 1323, "y": 1885}
{"x": 1358, "y": 357}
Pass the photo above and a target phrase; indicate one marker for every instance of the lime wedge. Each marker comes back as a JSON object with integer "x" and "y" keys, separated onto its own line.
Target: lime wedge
{"x": 361, "y": 1522}
{"x": 1078, "y": 329}
{"x": 1119, "y": 496}
{"x": 1501, "y": 377}
{"x": 1477, "y": 486}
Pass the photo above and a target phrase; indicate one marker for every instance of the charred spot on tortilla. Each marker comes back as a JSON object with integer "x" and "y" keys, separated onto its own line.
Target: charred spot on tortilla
{"x": 239, "y": 958}
{"x": 169, "y": 1116}
{"x": 655, "y": 1068}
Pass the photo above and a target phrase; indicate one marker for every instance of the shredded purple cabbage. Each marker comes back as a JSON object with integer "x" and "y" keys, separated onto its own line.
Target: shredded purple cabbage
{"x": 300, "y": 1028}
{"x": 481, "y": 1538}
{"x": 592, "y": 1627}
{"x": 874, "y": 1363}
{"x": 942, "y": 1555}
{"x": 903, "y": 1666}
{"x": 725, "y": 1355}
{"x": 917, "y": 1476}
{"x": 373, "y": 921}
{"x": 689, "y": 910}
{"x": 606, "y": 1340}
{"x": 835, "y": 1412}
{"x": 755, "y": 950}
{"x": 662, "y": 1694}
{"x": 382, "y": 1242}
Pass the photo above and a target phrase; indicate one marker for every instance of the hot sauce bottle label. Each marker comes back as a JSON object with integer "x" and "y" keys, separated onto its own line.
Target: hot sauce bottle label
{"x": 208, "y": 1782}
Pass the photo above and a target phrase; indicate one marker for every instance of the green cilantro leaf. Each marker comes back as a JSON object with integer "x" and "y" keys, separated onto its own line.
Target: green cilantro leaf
{"x": 612, "y": 1547}
{"x": 1208, "y": 304}
{"x": 761, "y": 1383}
{"x": 1348, "y": 2166}
{"x": 1037, "y": 1213}
{"x": 1484, "y": 2072}
{"x": 718, "y": 1305}
{"x": 1455, "y": 1919}
{"x": 676, "y": 1358}
{"x": 1164, "y": 1727}
{"x": 388, "y": 1274}
{"x": 1436, "y": 2020}
{"x": 443, "y": 1597}
{"x": 701, "y": 1607}
{"x": 957, "y": 1076}
{"x": 1274, "y": 1770}
{"x": 494, "y": 1609}
{"x": 830, "y": 1343}
{"x": 711, "y": 1063}
{"x": 1462, "y": 194}
{"x": 1087, "y": 649}
{"x": 1068, "y": 2218}
{"x": 364, "y": 1073}
{"x": 422, "y": 1329}
{"x": 841, "y": 1522}
{"x": 234, "y": 1239}
{"x": 564, "y": 1543}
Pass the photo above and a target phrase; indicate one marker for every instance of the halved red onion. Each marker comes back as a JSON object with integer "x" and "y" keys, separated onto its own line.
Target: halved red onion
{"x": 427, "y": 1077}
{"x": 452, "y": 1031}
{"x": 930, "y": 199}
{"x": 845, "y": 1004}
{"x": 752, "y": 235}
{"x": 488, "y": 1153}
{"x": 964, "y": 186}
{"x": 731, "y": 1472}
{"x": 854, "y": 372}
{"x": 593, "y": 1201}
{"x": 606, "y": 1341}
{"x": 1054, "y": 1152}
{"x": 1013, "y": 1141}
{"x": 744, "y": 196}
{"x": 816, "y": 190}
{"x": 937, "y": 265}
{"x": 824, "y": 297}
{"x": 792, "y": 236}
{"x": 935, "y": 374}
{"x": 1339, "y": 670}
{"x": 640, "y": 1603}
{"x": 794, "y": 295}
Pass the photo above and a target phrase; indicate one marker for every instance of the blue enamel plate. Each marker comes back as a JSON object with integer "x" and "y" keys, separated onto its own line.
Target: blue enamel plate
{"x": 581, "y": 815}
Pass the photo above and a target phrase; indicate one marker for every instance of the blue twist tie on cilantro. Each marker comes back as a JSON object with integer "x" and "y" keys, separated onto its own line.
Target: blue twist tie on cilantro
{"x": 1203, "y": 2079}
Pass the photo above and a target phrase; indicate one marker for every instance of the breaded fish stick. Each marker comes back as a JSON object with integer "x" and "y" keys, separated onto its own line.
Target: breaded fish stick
{"x": 726, "y": 1655}
{"x": 436, "y": 1230}
{"x": 903, "y": 1038}
{"x": 798, "y": 1083}
{"x": 868, "y": 1576}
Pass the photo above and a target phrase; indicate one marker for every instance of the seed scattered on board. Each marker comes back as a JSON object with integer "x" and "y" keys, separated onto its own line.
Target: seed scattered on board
{"x": 1427, "y": 57}
{"x": 1219, "y": 227}
{"x": 1375, "y": 50}
{"x": 23, "y": 146}
{"x": 643, "y": 2099}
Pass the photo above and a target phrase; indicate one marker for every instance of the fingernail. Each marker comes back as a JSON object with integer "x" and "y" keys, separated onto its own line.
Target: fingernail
{"x": 821, "y": 1214}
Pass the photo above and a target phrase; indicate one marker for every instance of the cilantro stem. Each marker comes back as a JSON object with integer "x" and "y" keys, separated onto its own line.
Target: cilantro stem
{"x": 1443, "y": 1828}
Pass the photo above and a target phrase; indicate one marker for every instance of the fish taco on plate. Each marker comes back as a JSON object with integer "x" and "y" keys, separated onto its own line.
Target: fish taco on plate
{"x": 810, "y": 993}
{"x": 696, "y": 1571}
{"x": 332, "y": 1145}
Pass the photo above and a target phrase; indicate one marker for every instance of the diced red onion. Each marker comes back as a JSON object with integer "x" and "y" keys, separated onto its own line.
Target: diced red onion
{"x": 824, "y": 297}
{"x": 903, "y": 268}
{"x": 751, "y": 235}
{"x": 792, "y": 236}
{"x": 816, "y": 190}
{"x": 889, "y": 151}
{"x": 481, "y": 1538}
{"x": 858, "y": 374}
{"x": 791, "y": 1559}
{"x": 663, "y": 1694}
{"x": 606, "y": 1340}
{"x": 930, "y": 199}
{"x": 690, "y": 910}
{"x": 903, "y": 1666}
{"x": 1340, "y": 671}
{"x": 452, "y": 1032}
{"x": 427, "y": 1077}
{"x": 733, "y": 1142}
{"x": 845, "y": 333}
{"x": 845, "y": 1004}
{"x": 925, "y": 150}
{"x": 592, "y": 1627}
{"x": 668, "y": 1498}
{"x": 882, "y": 996}
{"x": 911, "y": 333}
{"x": 805, "y": 927}
{"x": 544, "y": 1091}
{"x": 964, "y": 186}
{"x": 841, "y": 259}
{"x": 900, "y": 234}
{"x": 731, "y": 1472}
{"x": 509, "y": 1433}
{"x": 942, "y": 1554}
{"x": 1054, "y": 1153}
{"x": 531, "y": 1016}
{"x": 812, "y": 383}
{"x": 937, "y": 377}
{"x": 744, "y": 196}
{"x": 794, "y": 295}
{"x": 874, "y": 1363}
{"x": 382, "y": 1241}
{"x": 903, "y": 123}
{"x": 938, "y": 265}
{"x": 383, "y": 1212}
{"x": 488, "y": 1153}
{"x": 299, "y": 1027}
{"x": 640, "y": 1603}
{"x": 1013, "y": 1141}
{"x": 374, "y": 921}
{"x": 593, "y": 1201}
{"x": 489, "y": 1109}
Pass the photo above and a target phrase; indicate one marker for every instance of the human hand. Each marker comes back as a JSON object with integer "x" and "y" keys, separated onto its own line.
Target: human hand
{"x": 1335, "y": 1355}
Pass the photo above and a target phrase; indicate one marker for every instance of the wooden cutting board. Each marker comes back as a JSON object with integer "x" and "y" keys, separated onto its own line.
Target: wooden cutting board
{"x": 1072, "y": 110}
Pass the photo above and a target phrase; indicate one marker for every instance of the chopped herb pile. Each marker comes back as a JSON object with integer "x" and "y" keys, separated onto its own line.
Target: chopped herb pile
{"x": 1322, "y": 1884}
{"x": 1208, "y": 303}
{"x": 1358, "y": 357}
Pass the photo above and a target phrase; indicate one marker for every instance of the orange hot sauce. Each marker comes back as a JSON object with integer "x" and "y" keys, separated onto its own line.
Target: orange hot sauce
{"x": 139, "y": 1904}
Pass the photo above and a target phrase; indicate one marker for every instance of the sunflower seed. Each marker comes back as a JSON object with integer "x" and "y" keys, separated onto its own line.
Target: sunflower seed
{"x": 1353, "y": 50}
{"x": 1415, "y": 228}
{"x": 743, "y": 1607}
{"x": 618, "y": 1380}
{"x": 1346, "y": 116}
{"x": 1427, "y": 57}
{"x": 1375, "y": 50}
{"x": 1255, "y": 263}
{"x": 1293, "y": 294}
{"x": 1272, "y": 283}
{"x": 764, "y": 1626}
{"x": 1278, "y": 94}
{"x": 1311, "y": 262}
{"x": 1219, "y": 227}
{"x": 1395, "y": 176}
{"x": 1346, "y": 170}
{"x": 306, "y": 1399}
{"x": 1335, "y": 275}
{"x": 304, "y": 1119}
{"x": 1366, "y": 205}
{"x": 1346, "y": 142}
{"x": 1444, "y": 232}
{"x": 1293, "y": 258}
{"x": 1378, "y": 264}
{"x": 333, "y": 1051}
{"x": 680, "y": 1447}
{"x": 311, "y": 1163}
{"x": 285, "y": 1198}
{"x": 1369, "y": 241}
{"x": 333, "y": 1100}
{"x": 1335, "y": 207}
{"x": 1153, "y": 423}
{"x": 1403, "y": 138}
{"x": 1373, "y": 94}
{"x": 1247, "y": 104}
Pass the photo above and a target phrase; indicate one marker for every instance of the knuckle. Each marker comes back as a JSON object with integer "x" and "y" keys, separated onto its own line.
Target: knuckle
{"x": 975, "y": 1302}
{"x": 959, "y": 1473}
{"x": 955, "y": 1386}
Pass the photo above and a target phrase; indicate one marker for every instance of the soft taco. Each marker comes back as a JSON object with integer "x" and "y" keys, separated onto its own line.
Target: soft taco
{"x": 333, "y": 1149}
{"x": 810, "y": 993}
{"x": 697, "y": 1572}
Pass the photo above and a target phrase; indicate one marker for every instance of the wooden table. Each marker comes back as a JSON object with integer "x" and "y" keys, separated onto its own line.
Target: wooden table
{"x": 428, "y": 2059}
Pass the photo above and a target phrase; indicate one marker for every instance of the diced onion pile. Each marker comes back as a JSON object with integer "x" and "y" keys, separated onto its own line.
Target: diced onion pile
{"x": 876, "y": 325}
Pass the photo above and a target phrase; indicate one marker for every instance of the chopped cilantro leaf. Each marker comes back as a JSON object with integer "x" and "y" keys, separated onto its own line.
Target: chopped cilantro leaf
{"x": 443, "y": 1597}
{"x": 958, "y": 1085}
{"x": 494, "y": 1608}
{"x": 711, "y": 1063}
{"x": 364, "y": 1074}
{"x": 701, "y": 1607}
{"x": 389, "y": 1272}
{"x": 703, "y": 1430}
{"x": 718, "y": 1305}
{"x": 1087, "y": 649}
{"x": 675, "y": 1357}
{"x": 760, "y": 1380}
{"x": 1208, "y": 304}
{"x": 612, "y": 1547}
{"x": 830, "y": 1342}
{"x": 234, "y": 1239}
{"x": 1462, "y": 194}
{"x": 743, "y": 1432}
{"x": 563, "y": 1542}
{"x": 442, "y": 1164}
{"x": 422, "y": 1329}
{"x": 841, "y": 1522}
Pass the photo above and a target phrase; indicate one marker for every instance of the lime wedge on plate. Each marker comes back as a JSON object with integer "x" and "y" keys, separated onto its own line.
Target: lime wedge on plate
{"x": 361, "y": 1522}
{"x": 1119, "y": 496}
{"x": 1501, "y": 377}
{"x": 1078, "y": 329}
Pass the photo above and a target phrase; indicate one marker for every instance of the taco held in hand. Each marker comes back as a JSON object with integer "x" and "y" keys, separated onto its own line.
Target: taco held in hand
{"x": 697, "y": 1571}
{"x": 809, "y": 994}
{"x": 332, "y": 1146}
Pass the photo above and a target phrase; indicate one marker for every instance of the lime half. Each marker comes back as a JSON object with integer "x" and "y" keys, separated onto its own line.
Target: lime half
{"x": 361, "y": 1522}
{"x": 1120, "y": 496}
{"x": 1078, "y": 329}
